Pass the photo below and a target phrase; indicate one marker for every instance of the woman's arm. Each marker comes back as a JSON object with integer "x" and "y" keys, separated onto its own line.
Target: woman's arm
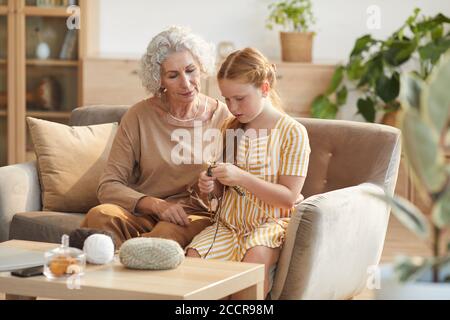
{"x": 163, "y": 209}
{"x": 208, "y": 185}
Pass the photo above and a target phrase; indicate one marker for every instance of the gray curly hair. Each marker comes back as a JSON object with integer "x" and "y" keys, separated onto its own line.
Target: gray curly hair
{"x": 174, "y": 39}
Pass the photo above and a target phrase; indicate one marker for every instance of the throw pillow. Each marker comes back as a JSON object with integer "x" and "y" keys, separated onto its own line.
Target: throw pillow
{"x": 70, "y": 162}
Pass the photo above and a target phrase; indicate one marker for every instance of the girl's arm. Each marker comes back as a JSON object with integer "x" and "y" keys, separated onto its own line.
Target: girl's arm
{"x": 283, "y": 194}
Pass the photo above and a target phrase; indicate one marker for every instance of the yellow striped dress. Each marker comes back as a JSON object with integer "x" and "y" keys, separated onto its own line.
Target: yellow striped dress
{"x": 246, "y": 221}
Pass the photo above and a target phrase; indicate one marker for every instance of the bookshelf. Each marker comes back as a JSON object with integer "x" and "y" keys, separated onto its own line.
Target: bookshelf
{"x": 7, "y": 149}
{"x": 41, "y": 61}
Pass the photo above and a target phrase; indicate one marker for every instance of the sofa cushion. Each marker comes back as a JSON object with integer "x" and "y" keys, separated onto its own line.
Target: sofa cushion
{"x": 43, "y": 226}
{"x": 70, "y": 161}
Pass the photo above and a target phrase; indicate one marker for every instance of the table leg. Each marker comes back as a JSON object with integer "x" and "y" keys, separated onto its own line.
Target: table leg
{"x": 17, "y": 297}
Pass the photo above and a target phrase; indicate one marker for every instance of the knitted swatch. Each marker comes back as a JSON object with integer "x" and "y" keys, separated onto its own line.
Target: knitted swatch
{"x": 151, "y": 253}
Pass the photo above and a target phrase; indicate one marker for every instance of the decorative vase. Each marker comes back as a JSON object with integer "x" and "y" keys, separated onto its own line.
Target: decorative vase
{"x": 43, "y": 51}
{"x": 296, "y": 46}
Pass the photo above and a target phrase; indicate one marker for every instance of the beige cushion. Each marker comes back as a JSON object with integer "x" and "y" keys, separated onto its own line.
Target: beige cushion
{"x": 70, "y": 161}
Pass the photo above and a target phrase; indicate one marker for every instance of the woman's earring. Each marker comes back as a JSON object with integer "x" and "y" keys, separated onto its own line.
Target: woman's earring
{"x": 162, "y": 90}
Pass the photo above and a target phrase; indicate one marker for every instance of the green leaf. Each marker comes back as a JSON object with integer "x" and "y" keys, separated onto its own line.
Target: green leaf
{"x": 372, "y": 70}
{"x": 408, "y": 214}
{"x": 392, "y": 106}
{"x": 366, "y": 107}
{"x": 341, "y": 96}
{"x": 399, "y": 52}
{"x": 388, "y": 89}
{"x": 411, "y": 90}
{"x": 428, "y": 24}
{"x": 436, "y": 96}
{"x": 421, "y": 145}
{"x": 441, "y": 18}
{"x": 411, "y": 268}
{"x": 362, "y": 44}
{"x": 437, "y": 32}
{"x": 323, "y": 108}
{"x": 293, "y": 15}
{"x": 433, "y": 50}
{"x": 355, "y": 68}
{"x": 336, "y": 80}
{"x": 441, "y": 210}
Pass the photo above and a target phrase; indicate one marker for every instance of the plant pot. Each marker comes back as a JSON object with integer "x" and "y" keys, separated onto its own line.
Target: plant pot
{"x": 296, "y": 46}
{"x": 390, "y": 118}
{"x": 421, "y": 289}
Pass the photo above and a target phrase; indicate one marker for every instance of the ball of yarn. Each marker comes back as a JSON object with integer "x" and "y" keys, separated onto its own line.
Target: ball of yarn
{"x": 78, "y": 236}
{"x": 99, "y": 249}
{"x": 151, "y": 254}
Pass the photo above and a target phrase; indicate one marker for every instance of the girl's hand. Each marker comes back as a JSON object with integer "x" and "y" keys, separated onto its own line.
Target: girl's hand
{"x": 229, "y": 174}
{"x": 205, "y": 183}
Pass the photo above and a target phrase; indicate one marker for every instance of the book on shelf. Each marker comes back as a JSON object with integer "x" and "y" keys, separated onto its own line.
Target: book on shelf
{"x": 69, "y": 47}
{"x": 55, "y": 3}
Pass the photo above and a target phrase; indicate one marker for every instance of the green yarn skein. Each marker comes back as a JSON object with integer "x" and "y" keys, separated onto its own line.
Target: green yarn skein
{"x": 151, "y": 254}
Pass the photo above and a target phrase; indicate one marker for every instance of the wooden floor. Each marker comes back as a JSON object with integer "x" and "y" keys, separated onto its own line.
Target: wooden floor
{"x": 398, "y": 241}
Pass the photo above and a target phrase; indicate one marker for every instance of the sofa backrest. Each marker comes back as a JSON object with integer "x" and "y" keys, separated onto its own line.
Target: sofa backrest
{"x": 348, "y": 153}
{"x": 343, "y": 153}
{"x": 97, "y": 114}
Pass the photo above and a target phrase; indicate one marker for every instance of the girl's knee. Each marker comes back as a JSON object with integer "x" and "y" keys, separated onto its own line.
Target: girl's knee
{"x": 192, "y": 253}
{"x": 262, "y": 254}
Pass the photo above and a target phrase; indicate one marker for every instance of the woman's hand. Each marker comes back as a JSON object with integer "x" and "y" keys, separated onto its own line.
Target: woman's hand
{"x": 228, "y": 174}
{"x": 205, "y": 183}
{"x": 171, "y": 212}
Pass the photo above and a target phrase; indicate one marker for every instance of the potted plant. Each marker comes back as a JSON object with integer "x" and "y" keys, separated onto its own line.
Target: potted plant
{"x": 295, "y": 17}
{"x": 374, "y": 67}
{"x": 425, "y": 123}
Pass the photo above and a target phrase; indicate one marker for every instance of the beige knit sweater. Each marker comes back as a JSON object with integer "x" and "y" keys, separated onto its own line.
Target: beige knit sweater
{"x": 141, "y": 159}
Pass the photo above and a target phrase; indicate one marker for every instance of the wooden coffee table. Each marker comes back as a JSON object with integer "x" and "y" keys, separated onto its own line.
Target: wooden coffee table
{"x": 193, "y": 279}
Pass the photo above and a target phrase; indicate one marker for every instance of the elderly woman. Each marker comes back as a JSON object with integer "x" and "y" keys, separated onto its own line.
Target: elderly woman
{"x": 145, "y": 189}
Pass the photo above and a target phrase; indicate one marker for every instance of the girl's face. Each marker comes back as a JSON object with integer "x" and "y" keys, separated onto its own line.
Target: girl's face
{"x": 180, "y": 75}
{"x": 244, "y": 100}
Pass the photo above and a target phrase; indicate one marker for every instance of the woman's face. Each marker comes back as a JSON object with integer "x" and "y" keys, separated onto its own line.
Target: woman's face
{"x": 180, "y": 75}
{"x": 244, "y": 100}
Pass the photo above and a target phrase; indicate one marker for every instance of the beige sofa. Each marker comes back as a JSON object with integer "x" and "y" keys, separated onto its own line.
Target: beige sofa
{"x": 334, "y": 237}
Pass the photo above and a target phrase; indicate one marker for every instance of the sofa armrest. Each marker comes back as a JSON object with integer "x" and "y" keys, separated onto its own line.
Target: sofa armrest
{"x": 19, "y": 192}
{"x": 331, "y": 241}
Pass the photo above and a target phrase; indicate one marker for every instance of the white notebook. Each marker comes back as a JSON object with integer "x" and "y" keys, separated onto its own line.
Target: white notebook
{"x": 14, "y": 259}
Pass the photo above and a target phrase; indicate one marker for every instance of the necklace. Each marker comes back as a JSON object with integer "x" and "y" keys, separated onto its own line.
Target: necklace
{"x": 186, "y": 120}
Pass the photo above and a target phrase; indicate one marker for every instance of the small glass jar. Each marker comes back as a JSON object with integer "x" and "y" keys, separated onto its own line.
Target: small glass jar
{"x": 64, "y": 261}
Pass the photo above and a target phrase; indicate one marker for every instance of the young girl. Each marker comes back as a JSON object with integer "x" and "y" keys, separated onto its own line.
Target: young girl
{"x": 265, "y": 181}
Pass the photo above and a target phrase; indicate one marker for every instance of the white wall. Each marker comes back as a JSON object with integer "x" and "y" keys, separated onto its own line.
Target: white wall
{"x": 126, "y": 26}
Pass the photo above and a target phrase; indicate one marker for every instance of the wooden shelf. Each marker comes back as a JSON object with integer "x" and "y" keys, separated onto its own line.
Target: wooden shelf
{"x": 3, "y": 10}
{"x": 2, "y": 62}
{"x": 53, "y": 63}
{"x": 46, "y": 11}
{"x": 49, "y": 114}
{"x": 2, "y": 113}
